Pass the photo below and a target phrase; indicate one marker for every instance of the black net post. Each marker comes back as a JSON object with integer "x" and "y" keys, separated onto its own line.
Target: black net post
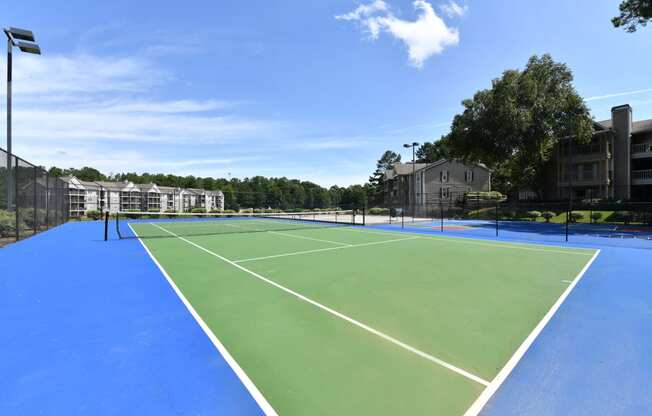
{"x": 403, "y": 218}
{"x": 106, "y": 226}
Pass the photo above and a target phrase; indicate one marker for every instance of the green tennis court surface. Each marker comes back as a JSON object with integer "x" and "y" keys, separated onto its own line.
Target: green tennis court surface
{"x": 343, "y": 320}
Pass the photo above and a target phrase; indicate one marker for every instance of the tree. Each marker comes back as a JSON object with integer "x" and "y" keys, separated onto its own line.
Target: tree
{"x": 514, "y": 126}
{"x": 377, "y": 179}
{"x": 432, "y": 152}
{"x": 632, "y": 14}
{"x": 55, "y": 171}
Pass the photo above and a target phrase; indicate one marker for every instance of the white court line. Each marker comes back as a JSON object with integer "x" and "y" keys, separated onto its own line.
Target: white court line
{"x": 359, "y": 324}
{"x": 296, "y": 253}
{"x": 244, "y": 378}
{"x": 488, "y": 392}
{"x": 310, "y": 238}
{"x": 463, "y": 240}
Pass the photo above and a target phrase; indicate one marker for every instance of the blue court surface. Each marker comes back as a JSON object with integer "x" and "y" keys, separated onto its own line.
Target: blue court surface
{"x": 94, "y": 328}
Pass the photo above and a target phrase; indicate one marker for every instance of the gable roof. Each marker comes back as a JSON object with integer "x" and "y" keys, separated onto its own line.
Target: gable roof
{"x": 642, "y": 126}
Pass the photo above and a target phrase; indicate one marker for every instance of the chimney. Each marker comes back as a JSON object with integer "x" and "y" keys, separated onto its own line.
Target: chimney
{"x": 621, "y": 123}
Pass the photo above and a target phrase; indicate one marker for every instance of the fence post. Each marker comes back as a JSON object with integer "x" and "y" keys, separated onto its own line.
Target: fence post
{"x": 14, "y": 176}
{"x": 441, "y": 214}
{"x": 47, "y": 200}
{"x": 497, "y": 203}
{"x": 35, "y": 204}
{"x": 567, "y": 219}
{"x": 403, "y": 218}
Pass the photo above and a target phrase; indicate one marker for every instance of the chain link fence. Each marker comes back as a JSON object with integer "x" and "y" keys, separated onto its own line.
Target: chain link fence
{"x": 31, "y": 200}
{"x": 489, "y": 215}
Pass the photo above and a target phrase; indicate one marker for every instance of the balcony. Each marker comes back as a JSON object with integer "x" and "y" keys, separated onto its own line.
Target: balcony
{"x": 585, "y": 180}
{"x": 642, "y": 177}
{"x": 641, "y": 150}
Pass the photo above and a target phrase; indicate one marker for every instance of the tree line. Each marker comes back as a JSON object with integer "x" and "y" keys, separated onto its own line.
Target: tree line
{"x": 255, "y": 192}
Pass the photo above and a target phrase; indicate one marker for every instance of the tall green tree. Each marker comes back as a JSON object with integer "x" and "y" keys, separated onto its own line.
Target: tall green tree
{"x": 633, "y": 13}
{"x": 432, "y": 152}
{"x": 386, "y": 161}
{"x": 514, "y": 126}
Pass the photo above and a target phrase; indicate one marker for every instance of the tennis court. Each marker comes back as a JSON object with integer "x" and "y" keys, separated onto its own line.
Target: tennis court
{"x": 323, "y": 317}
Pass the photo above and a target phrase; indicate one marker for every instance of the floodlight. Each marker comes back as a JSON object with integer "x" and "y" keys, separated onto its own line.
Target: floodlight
{"x": 29, "y": 47}
{"x": 21, "y": 34}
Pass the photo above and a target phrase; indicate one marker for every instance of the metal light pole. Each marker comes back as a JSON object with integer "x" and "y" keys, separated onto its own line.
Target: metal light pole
{"x": 414, "y": 179}
{"x": 15, "y": 37}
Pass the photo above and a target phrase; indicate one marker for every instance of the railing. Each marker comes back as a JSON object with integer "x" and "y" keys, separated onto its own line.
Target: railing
{"x": 642, "y": 148}
{"x": 645, "y": 175}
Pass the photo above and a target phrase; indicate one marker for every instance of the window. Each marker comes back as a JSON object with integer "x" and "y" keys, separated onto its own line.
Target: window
{"x": 469, "y": 176}
{"x": 445, "y": 193}
{"x": 443, "y": 176}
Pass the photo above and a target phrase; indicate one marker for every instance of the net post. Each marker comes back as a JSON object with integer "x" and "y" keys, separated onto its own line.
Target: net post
{"x": 106, "y": 226}
{"x": 403, "y": 218}
{"x": 496, "y": 218}
{"x": 364, "y": 216}
{"x": 117, "y": 224}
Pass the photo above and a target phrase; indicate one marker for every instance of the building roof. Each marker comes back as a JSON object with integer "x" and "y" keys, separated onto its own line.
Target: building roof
{"x": 167, "y": 189}
{"x": 111, "y": 186}
{"x": 642, "y": 126}
{"x": 148, "y": 187}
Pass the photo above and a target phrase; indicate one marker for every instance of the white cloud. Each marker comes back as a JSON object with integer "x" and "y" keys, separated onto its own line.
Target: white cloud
{"x": 453, "y": 9}
{"x": 364, "y": 10}
{"x": 424, "y": 37}
{"x": 90, "y": 98}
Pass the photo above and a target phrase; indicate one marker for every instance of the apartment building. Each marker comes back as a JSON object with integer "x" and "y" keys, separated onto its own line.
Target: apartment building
{"x": 616, "y": 164}
{"x": 110, "y": 196}
{"x": 444, "y": 180}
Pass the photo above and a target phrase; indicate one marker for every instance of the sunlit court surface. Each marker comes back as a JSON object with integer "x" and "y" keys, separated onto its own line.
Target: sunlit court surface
{"x": 326, "y": 208}
{"x": 328, "y": 313}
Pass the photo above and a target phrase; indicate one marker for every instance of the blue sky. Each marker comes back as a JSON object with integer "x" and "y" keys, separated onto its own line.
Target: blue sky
{"x": 315, "y": 90}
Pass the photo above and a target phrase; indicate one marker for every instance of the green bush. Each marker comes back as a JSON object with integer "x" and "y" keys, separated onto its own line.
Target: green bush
{"x": 533, "y": 215}
{"x": 596, "y": 216}
{"x": 229, "y": 211}
{"x": 484, "y": 196}
{"x": 378, "y": 211}
{"x": 198, "y": 211}
{"x": 7, "y": 223}
{"x": 93, "y": 214}
{"x": 548, "y": 215}
{"x": 575, "y": 216}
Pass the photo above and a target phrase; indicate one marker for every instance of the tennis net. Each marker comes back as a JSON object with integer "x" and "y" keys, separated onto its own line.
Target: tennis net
{"x": 162, "y": 225}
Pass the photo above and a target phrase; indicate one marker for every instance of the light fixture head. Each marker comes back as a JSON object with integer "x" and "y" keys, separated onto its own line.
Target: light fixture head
{"x": 20, "y": 34}
{"x": 29, "y": 47}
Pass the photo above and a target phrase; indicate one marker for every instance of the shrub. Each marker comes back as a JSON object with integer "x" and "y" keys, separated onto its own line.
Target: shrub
{"x": 576, "y": 216}
{"x": 548, "y": 215}
{"x": 198, "y": 211}
{"x": 93, "y": 214}
{"x": 596, "y": 216}
{"x": 484, "y": 196}
{"x": 7, "y": 223}
{"x": 378, "y": 211}
{"x": 533, "y": 215}
{"x": 229, "y": 211}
